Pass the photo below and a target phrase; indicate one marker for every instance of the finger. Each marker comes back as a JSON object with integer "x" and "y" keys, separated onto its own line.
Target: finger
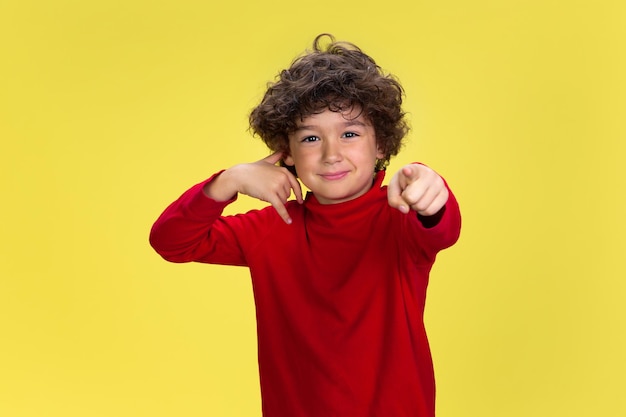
{"x": 418, "y": 195}
{"x": 436, "y": 204}
{"x": 394, "y": 196}
{"x": 290, "y": 184}
{"x": 285, "y": 192}
{"x": 399, "y": 204}
{"x": 273, "y": 158}
{"x": 421, "y": 192}
{"x": 431, "y": 201}
{"x": 296, "y": 187}
{"x": 282, "y": 211}
{"x": 410, "y": 173}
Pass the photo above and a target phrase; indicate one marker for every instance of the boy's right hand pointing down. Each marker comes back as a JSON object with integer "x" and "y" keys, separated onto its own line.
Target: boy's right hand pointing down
{"x": 263, "y": 180}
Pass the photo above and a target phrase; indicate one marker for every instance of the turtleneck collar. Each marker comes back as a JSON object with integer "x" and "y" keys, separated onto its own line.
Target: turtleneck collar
{"x": 332, "y": 214}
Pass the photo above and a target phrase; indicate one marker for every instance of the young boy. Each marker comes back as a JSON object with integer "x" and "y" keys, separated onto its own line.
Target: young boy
{"x": 340, "y": 276}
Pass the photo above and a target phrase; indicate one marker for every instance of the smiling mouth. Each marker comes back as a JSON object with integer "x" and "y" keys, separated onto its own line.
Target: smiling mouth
{"x": 334, "y": 175}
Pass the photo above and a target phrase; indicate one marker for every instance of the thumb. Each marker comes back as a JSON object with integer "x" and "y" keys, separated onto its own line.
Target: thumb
{"x": 273, "y": 158}
{"x": 394, "y": 195}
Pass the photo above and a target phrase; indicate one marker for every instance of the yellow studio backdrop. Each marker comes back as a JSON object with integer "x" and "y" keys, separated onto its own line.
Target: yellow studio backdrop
{"x": 110, "y": 110}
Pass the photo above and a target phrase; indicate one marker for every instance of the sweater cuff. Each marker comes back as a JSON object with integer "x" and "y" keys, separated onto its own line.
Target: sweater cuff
{"x": 431, "y": 221}
{"x": 201, "y": 205}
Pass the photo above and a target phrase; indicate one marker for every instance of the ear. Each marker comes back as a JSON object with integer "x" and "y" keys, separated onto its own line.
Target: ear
{"x": 288, "y": 160}
{"x": 379, "y": 153}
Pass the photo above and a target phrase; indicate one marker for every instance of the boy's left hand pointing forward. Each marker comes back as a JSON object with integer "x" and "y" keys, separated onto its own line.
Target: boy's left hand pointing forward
{"x": 418, "y": 188}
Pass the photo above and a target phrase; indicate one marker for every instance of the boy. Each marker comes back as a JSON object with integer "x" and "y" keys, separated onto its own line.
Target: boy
{"x": 340, "y": 276}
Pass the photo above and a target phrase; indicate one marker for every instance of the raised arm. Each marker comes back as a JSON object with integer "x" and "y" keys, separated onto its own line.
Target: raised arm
{"x": 192, "y": 229}
{"x": 262, "y": 180}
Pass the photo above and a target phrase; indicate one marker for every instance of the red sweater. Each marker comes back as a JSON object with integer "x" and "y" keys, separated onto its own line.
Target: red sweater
{"x": 339, "y": 297}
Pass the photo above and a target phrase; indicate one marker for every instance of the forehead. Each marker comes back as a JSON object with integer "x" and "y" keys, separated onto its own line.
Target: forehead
{"x": 352, "y": 116}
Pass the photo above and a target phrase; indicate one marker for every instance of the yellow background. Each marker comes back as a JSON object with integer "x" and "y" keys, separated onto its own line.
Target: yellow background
{"x": 110, "y": 110}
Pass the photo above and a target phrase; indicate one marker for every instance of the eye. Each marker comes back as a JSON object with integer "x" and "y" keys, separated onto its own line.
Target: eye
{"x": 310, "y": 139}
{"x": 350, "y": 135}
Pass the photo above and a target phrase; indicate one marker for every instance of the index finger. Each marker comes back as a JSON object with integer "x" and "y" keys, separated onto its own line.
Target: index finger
{"x": 410, "y": 173}
{"x": 281, "y": 210}
{"x": 273, "y": 158}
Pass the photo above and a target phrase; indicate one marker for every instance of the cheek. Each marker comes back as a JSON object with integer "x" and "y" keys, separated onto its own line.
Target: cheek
{"x": 374, "y": 152}
{"x": 304, "y": 155}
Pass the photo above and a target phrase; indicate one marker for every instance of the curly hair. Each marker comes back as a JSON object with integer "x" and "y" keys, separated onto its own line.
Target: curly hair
{"x": 337, "y": 77}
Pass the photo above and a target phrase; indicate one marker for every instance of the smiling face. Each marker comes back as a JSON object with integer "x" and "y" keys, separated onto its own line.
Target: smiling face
{"x": 334, "y": 154}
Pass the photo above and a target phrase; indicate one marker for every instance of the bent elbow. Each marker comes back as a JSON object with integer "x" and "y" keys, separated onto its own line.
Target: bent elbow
{"x": 166, "y": 250}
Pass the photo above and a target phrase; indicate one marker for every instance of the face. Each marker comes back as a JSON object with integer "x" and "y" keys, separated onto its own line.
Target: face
{"x": 334, "y": 154}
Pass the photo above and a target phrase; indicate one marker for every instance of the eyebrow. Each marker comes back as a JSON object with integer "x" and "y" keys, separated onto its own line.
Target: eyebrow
{"x": 347, "y": 123}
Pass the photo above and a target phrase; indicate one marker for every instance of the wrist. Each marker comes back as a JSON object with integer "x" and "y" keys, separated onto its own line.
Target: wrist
{"x": 220, "y": 187}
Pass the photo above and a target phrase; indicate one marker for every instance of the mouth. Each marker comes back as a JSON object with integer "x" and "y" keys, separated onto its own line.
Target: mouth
{"x": 333, "y": 176}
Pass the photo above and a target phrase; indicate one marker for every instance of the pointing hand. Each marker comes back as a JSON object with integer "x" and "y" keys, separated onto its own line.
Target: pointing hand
{"x": 419, "y": 188}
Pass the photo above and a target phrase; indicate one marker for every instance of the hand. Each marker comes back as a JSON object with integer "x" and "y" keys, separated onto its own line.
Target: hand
{"x": 418, "y": 188}
{"x": 262, "y": 180}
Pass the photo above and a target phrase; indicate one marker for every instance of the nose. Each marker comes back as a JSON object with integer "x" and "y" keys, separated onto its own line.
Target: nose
{"x": 331, "y": 152}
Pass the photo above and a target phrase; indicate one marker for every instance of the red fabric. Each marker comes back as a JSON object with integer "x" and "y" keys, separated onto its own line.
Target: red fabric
{"x": 339, "y": 297}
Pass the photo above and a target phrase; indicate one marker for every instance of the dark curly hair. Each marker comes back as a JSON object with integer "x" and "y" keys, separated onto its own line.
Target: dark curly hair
{"x": 337, "y": 77}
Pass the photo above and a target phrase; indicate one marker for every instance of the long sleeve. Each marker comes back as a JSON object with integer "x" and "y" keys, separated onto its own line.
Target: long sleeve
{"x": 427, "y": 235}
{"x": 446, "y": 231}
{"x": 192, "y": 229}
